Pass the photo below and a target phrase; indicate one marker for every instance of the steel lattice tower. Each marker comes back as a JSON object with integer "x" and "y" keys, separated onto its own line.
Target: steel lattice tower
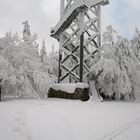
{"x": 79, "y": 35}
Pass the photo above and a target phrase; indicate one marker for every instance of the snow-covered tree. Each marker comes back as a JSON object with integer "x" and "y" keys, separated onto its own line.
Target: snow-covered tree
{"x": 26, "y": 31}
{"x": 117, "y": 67}
{"x": 135, "y": 46}
{"x": 43, "y": 53}
{"x": 29, "y": 41}
{"x": 9, "y": 40}
{"x": 30, "y": 81}
{"x": 127, "y": 65}
{"x": 7, "y": 73}
{"x": 109, "y": 35}
{"x": 53, "y": 62}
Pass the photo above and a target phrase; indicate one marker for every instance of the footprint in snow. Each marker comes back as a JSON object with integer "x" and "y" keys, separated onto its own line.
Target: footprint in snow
{"x": 21, "y": 129}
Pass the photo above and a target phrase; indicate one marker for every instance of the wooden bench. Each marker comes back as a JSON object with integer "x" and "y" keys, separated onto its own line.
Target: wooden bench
{"x": 74, "y": 92}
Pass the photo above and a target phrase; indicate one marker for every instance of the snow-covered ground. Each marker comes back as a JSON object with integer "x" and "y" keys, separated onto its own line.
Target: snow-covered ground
{"x": 57, "y": 119}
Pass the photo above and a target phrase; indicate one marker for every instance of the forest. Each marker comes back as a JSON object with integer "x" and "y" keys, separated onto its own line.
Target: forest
{"x": 27, "y": 71}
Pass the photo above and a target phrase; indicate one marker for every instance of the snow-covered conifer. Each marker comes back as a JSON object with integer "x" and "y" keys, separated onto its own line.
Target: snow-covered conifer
{"x": 53, "y": 62}
{"x": 117, "y": 65}
{"x": 43, "y": 53}
{"x": 22, "y": 56}
{"x": 26, "y": 31}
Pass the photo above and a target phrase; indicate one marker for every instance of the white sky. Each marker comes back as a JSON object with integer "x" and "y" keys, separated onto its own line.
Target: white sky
{"x": 124, "y": 15}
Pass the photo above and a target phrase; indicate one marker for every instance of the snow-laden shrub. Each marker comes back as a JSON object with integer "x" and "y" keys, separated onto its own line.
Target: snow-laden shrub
{"x": 108, "y": 77}
{"x": 7, "y": 72}
{"x": 41, "y": 83}
{"x": 118, "y": 69}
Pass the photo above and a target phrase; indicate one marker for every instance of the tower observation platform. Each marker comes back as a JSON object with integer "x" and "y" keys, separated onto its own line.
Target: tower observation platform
{"x": 79, "y": 36}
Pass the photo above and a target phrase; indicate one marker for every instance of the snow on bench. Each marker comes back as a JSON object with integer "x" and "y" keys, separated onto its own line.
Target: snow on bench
{"x": 69, "y": 88}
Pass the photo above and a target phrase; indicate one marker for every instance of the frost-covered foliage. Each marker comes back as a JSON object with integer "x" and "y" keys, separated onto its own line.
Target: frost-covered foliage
{"x": 7, "y": 72}
{"x": 118, "y": 63}
{"x": 21, "y": 70}
{"x": 49, "y": 62}
{"x": 9, "y": 40}
{"x": 26, "y": 31}
{"x": 135, "y": 43}
{"x": 43, "y": 53}
{"x": 53, "y": 63}
{"x": 41, "y": 82}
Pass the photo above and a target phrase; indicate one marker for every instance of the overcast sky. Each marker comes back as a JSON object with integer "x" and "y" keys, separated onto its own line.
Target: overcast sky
{"x": 124, "y": 15}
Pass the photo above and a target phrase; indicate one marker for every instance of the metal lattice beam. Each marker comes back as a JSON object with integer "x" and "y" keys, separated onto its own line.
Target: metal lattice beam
{"x": 78, "y": 32}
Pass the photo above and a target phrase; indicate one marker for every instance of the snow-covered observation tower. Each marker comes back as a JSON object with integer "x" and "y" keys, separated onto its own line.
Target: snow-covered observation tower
{"x": 79, "y": 35}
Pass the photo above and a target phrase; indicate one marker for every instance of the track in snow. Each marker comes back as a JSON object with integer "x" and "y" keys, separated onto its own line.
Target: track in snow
{"x": 21, "y": 129}
{"x": 115, "y": 133}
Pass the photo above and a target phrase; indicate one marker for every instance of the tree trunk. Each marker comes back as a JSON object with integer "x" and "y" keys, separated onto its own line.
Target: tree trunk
{"x": 0, "y": 93}
{"x": 0, "y": 89}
